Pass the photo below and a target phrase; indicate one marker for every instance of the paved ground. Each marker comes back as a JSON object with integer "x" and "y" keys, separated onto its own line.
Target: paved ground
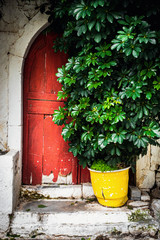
{"x": 40, "y": 216}
{"x": 77, "y": 219}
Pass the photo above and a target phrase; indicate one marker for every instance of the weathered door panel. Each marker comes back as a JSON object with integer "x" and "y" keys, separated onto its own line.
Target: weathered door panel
{"x": 37, "y": 76}
{"x": 35, "y": 148}
{"x": 52, "y": 86}
{"x": 45, "y": 153}
{"x": 57, "y": 159}
{"x": 51, "y": 148}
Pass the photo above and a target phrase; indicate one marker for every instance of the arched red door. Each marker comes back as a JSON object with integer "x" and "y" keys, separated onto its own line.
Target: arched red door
{"x": 45, "y": 154}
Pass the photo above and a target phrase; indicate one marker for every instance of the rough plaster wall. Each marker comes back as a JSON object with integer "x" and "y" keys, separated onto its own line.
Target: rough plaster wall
{"x": 3, "y": 90}
{"x": 147, "y": 167}
{"x": 16, "y": 14}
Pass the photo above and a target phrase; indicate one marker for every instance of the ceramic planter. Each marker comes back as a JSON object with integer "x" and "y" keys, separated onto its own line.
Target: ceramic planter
{"x": 110, "y": 188}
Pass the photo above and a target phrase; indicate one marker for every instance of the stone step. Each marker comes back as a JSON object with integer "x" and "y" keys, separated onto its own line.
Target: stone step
{"x": 67, "y": 218}
{"x": 75, "y": 218}
{"x": 84, "y": 190}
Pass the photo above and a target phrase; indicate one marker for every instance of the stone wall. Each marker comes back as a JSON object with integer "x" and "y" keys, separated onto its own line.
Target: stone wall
{"x": 19, "y": 26}
{"x": 148, "y": 169}
{"x": 16, "y": 15}
{"x": 9, "y": 186}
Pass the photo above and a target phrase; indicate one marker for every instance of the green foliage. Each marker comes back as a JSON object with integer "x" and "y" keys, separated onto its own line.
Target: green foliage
{"x": 100, "y": 165}
{"x": 112, "y": 78}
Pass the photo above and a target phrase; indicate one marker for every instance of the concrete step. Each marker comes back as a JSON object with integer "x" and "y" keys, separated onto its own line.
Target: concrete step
{"x": 68, "y": 219}
{"x": 54, "y": 190}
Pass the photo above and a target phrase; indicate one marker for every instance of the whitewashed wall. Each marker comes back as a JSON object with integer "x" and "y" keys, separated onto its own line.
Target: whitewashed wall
{"x": 19, "y": 26}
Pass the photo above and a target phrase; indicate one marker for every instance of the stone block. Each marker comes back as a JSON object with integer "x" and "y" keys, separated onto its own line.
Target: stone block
{"x": 15, "y": 137}
{"x": 145, "y": 189}
{"x": 145, "y": 172}
{"x": 87, "y": 190}
{"x": 62, "y": 191}
{"x": 7, "y": 184}
{"x": 145, "y": 196}
{"x": 30, "y": 31}
{"x": 155, "y": 157}
{"x": 15, "y": 81}
{"x": 146, "y": 180}
{"x": 4, "y": 222}
{"x": 155, "y": 192}
{"x": 155, "y": 206}
{"x": 134, "y": 193}
{"x": 3, "y": 90}
{"x": 158, "y": 179}
{"x": 3, "y": 134}
{"x": 143, "y": 162}
{"x": 144, "y": 229}
{"x": 138, "y": 204}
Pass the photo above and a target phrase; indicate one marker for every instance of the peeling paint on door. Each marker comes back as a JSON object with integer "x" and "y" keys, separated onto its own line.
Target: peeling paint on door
{"x": 45, "y": 153}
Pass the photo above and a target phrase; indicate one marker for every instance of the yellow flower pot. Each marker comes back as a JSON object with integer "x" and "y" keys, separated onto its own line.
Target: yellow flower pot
{"x": 110, "y": 188}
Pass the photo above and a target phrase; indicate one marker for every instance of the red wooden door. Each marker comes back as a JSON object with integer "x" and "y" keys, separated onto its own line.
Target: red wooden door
{"x": 45, "y": 153}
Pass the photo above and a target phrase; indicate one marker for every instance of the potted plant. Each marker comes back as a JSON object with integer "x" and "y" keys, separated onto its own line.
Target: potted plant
{"x": 110, "y": 83}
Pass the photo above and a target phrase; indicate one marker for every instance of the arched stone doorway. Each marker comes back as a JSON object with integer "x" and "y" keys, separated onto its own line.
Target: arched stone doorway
{"x": 45, "y": 154}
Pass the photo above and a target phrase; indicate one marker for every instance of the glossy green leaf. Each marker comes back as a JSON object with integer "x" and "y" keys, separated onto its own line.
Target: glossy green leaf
{"x": 128, "y": 51}
{"x": 91, "y": 25}
{"x": 135, "y": 54}
{"x": 110, "y": 18}
{"x": 152, "y": 41}
{"x": 98, "y": 26}
{"x": 97, "y": 38}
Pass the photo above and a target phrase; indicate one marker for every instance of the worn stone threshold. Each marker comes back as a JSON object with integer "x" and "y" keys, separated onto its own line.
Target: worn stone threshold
{"x": 77, "y": 219}
{"x": 54, "y": 190}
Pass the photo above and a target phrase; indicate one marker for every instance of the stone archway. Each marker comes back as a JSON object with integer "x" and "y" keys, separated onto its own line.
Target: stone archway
{"x": 18, "y": 53}
{"x": 17, "y": 56}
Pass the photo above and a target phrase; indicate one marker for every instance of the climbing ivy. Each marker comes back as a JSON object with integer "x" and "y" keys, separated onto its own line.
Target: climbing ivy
{"x": 111, "y": 81}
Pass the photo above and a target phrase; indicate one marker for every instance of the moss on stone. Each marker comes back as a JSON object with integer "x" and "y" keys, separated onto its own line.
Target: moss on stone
{"x": 28, "y": 195}
{"x": 139, "y": 215}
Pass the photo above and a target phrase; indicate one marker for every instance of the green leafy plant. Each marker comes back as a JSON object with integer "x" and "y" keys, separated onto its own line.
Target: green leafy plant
{"x": 100, "y": 165}
{"x": 111, "y": 80}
